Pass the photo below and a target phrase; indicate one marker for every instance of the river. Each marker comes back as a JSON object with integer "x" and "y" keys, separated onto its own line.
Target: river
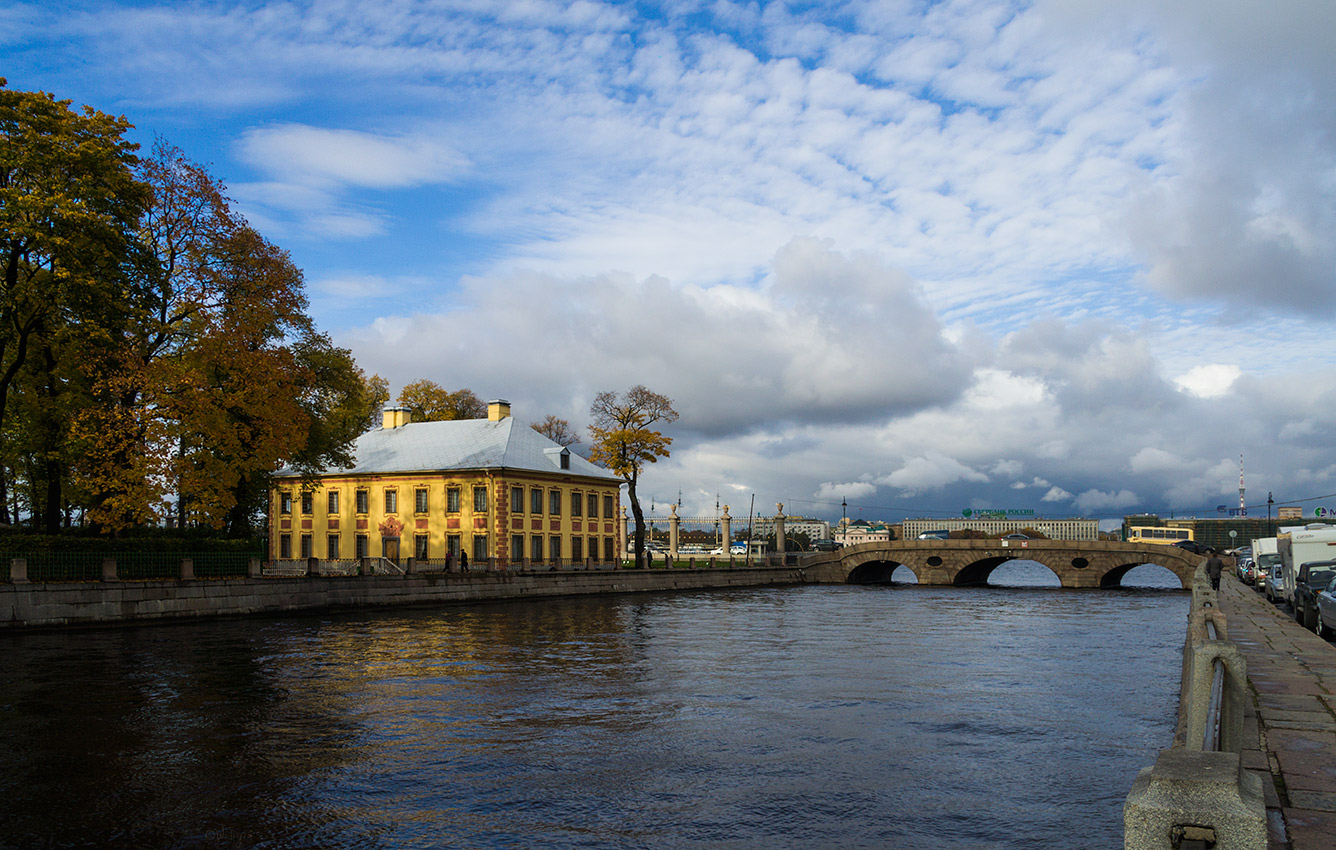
{"x": 811, "y": 717}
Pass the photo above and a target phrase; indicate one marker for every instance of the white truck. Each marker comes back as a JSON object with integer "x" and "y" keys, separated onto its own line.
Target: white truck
{"x": 1299, "y": 546}
{"x": 1266, "y": 556}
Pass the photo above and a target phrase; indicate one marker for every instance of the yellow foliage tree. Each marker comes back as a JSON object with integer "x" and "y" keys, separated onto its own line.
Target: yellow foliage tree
{"x": 624, "y": 442}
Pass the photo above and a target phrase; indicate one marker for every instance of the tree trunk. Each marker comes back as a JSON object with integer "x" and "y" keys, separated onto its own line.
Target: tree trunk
{"x": 640, "y": 518}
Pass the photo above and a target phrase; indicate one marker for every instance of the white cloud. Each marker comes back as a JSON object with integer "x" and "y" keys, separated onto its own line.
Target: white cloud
{"x": 321, "y": 156}
{"x": 1056, "y": 494}
{"x": 1209, "y": 381}
{"x": 930, "y": 472}
{"x": 831, "y": 491}
{"x": 1097, "y": 500}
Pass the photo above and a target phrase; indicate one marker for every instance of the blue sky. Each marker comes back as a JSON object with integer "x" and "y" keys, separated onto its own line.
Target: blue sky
{"x": 1068, "y": 256}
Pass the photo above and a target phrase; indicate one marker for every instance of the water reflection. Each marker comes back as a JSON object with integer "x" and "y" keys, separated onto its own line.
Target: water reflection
{"x": 821, "y": 716}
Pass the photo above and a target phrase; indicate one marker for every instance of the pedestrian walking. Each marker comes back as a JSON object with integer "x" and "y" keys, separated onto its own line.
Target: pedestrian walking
{"x": 1214, "y": 566}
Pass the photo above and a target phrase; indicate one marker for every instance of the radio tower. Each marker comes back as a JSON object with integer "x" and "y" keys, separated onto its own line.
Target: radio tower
{"x": 1242, "y": 505}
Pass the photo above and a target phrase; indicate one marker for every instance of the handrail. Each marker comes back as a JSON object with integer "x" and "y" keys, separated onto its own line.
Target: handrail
{"x": 1211, "y": 735}
{"x": 391, "y": 565}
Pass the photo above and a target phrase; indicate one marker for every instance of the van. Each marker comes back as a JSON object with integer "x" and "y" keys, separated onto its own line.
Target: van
{"x": 1298, "y": 546}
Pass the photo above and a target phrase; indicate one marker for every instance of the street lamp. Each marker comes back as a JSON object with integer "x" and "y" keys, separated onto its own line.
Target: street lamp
{"x": 844, "y": 521}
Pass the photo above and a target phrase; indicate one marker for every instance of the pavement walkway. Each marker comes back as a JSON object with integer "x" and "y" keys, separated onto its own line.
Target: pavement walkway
{"x": 1291, "y": 723}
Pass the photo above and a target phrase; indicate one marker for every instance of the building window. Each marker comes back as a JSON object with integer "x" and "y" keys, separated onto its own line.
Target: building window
{"x": 363, "y": 546}
{"x": 480, "y": 544}
{"x": 516, "y": 547}
{"x": 479, "y": 500}
{"x": 554, "y": 503}
{"x": 420, "y": 500}
{"x": 391, "y": 501}
{"x": 306, "y": 547}
{"x": 607, "y": 508}
{"x": 285, "y": 502}
{"x": 285, "y": 546}
{"x": 517, "y": 500}
{"x": 363, "y": 502}
{"x": 593, "y": 506}
{"x": 609, "y": 549}
{"x": 308, "y": 503}
{"x": 452, "y": 500}
{"x": 577, "y": 548}
{"x": 333, "y": 501}
{"x": 577, "y": 503}
{"x": 554, "y": 548}
{"x": 332, "y": 547}
{"x": 593, "y": 548}
{"x": 536, "y": 548}
{"x": 536, "y": 501}
{"x": 452, "y": 545}
{"x": 420, "y": 547}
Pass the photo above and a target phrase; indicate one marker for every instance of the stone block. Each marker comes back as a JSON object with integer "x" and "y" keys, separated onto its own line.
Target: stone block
{"x": 1186, "y": 794}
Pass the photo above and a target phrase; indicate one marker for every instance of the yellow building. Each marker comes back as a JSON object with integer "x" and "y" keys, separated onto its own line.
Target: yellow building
{"x": 492, "y": 489}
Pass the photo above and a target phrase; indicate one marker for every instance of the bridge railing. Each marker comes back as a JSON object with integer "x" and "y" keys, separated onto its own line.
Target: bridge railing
{"x": 1197, "y": 793}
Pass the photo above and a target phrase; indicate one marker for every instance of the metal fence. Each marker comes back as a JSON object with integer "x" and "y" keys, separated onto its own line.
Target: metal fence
{"x": 130, "y": 566}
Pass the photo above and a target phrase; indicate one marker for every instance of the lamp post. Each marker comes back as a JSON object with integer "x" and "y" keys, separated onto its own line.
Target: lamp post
{"x": 844, "y": 521}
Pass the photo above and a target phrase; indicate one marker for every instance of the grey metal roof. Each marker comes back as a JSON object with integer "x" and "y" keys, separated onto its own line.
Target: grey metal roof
{"x": 460, "y": 444}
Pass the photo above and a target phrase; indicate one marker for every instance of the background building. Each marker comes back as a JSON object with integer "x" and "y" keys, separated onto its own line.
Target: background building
{"x": 491, "y": 488}
{"x": 1053, "y": 529}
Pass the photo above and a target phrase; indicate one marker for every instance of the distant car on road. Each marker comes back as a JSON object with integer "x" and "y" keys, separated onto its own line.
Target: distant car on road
{"x": 1017, "y": 536}
{"x": 1191, "y": 546}
{"x": 1326, "y": 611}
{"x": 1313, "y": 577}
{"x": 826, "y": 545}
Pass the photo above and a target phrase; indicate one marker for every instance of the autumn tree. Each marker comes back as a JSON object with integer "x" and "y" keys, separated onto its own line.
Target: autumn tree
{"x": 430, "y": 402}
{"x": 69, "y": 202}
{"x": 216, "y": 376}
{"x": 624, "y": 441}
{"x": 557, "y": 430}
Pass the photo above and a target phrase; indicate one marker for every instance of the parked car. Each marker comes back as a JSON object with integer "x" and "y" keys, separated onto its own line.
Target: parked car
{"x": 1313, "y": 577}
{"x": 1243, "y": 567}
{"x": 1272, "y": 584}
{"x": 1191, "y": 546}
{"x": 826, "y": 545}
{"x": 1326, "y": 611}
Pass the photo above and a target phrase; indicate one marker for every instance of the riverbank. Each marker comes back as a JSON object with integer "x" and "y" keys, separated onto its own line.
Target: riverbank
{"x": 68, "y": 604}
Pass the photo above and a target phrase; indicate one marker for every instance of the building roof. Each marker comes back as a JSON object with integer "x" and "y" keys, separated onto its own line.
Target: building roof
{"x": 461, "y": 444}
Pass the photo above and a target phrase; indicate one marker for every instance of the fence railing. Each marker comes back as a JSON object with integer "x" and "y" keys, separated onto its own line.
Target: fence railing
{"x": 127, "y": 566}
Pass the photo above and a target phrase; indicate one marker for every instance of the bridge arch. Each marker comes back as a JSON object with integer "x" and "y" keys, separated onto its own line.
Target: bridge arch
{"x": 877, "y": 572}
{"x": 1077, "y": 564}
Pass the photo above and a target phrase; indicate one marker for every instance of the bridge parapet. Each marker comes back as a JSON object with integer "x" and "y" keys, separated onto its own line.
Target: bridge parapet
{"x": 1077, "y": 564}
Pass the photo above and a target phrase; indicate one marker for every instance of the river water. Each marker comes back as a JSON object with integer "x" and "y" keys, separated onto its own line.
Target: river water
{"x": 810, "y": 717}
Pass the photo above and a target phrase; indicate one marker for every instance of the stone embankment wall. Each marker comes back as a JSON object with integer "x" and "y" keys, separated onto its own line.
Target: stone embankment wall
{"x": 62, "y": 604}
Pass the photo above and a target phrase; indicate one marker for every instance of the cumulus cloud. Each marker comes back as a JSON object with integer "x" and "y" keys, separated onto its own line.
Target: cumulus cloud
{"x": 1098, "y": 500}
{"x": 1056, "y": 494}
{"x": 930, "y": 472}
{"x": 831, "y": 491}
{"x": 1209, "y": 381}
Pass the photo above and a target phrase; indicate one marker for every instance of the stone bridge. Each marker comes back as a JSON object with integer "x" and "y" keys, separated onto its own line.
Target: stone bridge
{"x": 1083, "y": 563}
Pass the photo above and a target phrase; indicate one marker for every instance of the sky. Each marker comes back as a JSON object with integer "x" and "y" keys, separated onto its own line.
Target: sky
{"x": 909, "y": 257}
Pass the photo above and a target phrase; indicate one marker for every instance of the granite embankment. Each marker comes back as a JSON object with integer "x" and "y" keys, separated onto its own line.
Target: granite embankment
{"x": 65, "y": 604}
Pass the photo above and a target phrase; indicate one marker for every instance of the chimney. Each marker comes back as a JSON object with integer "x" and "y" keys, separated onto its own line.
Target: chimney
{"x": 396, "y": 417}
{"x": 497, "y": 409}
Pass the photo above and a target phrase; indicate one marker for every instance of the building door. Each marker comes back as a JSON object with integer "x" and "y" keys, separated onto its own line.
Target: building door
{"x": 390, "y": 549}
